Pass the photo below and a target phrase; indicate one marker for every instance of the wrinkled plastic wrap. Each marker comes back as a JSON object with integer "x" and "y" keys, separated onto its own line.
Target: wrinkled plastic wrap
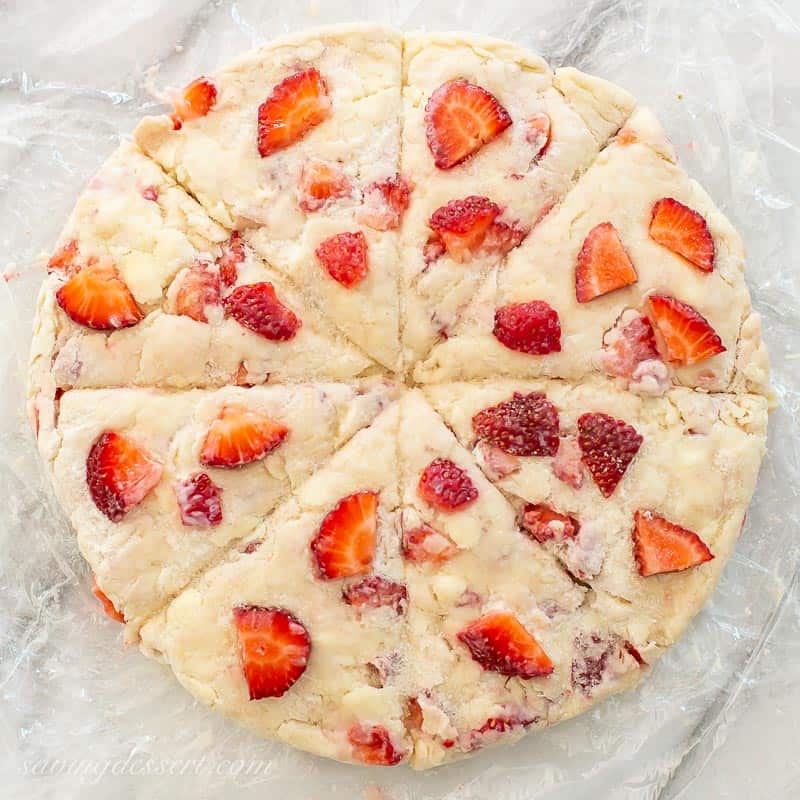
{"x": 82, "y": 716}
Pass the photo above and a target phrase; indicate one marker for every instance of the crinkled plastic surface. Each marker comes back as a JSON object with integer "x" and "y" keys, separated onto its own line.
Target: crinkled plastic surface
{"x": 84, "y": 717}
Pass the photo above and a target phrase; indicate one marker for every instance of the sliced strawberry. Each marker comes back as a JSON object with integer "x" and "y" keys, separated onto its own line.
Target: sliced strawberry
{"x": 385, "y": 202}
{"x": 499, "y": 642}
{"x": 256, "y": 307}
{"x": 275, "y": 648}
{"x": 632, "y": 343}
{"x": 433, "y": 248}
{"x": 345, "y": 543}
{"x": 344, "y": 256}
{"x": 525, "y": 425}
{"x": 425, "y": 545}
{"x": 460, "y": 118}
{"x": 532, "y": 328}
{"x": 502, "y": 237}
{"x": 372, "y": 744}
{"x": 108, "y": 606}
{"x": 199, "y": 501}
{"x": 462, "y": 225}
{"x": 119, "y": 474}
{"x": 199, "y": 288}
{"x": 228, "y": 262}
{"x": 537, "y": 133}
{"x": 297, "y": 104}
{"x": 608, "y": 446}
{"x": 376, "y": 592}
{"x": 196, "y": 101}
{"x": 98, "y": 298}
{"x": 497, "y": 464}
{"x": 567, "y": 465}
{"x": 65, "y": 259}
{"x": 688, "y": 337}
{"x": 542, "y": 523}
{"x": 495, "y": 727}
{"x": 239, "y": 436}
{"x": 682, "y": 230}
{"x": 603, "y": 265}
{"x": 600, "y": 659}
{"x": 150, "y": 193}
{"x": 662, "y": 546}
{"x": 319, "y": 183}
{"x": 446, "y": 486}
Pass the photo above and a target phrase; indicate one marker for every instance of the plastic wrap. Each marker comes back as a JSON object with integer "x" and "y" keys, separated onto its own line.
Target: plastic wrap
{"x": 84, "y": 717}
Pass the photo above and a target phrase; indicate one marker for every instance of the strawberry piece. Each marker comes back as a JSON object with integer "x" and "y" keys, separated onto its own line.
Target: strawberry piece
{"x": 525, "y": 425}
{"x": 196, "y": 101}
{"x": 608, "y": 446}
{"x": 119, "y": 474}
{"x": 497, "y": 464}
{"x": 542, "y": 523}
{"x": 662, "y": 546}
{"x": 376, "y": 592}
{"x": 344, "y": 256}
{"x": 228, "y": 262}
{"x": 425, "y": 545}
{"x": 494, "y": 727}
{"x": 688, "y": 337}
{"x": 150, "y": 193}
{"x": 603, "y": 265}
{"x": 682, "y": 230}
{"x": 385, "y": 202}
{"x": 446, "y": 486}
{"x": 65, "y": 259}
{"x": 462, "y": 225}
{"x": 567, "y": 465}
{"x": 199, "y": 288}
{"x": 238, "y": 436}
{"x": 460, "y": 118}
{"x": 199, "y": 501}
{"x": 275, "y": 648}
{"x": 319, "y": 182}
{"x": 97, "y": 298}
{"x": 499, "y": 642}
{"x": 600, "y": 659}
{"x": 108, "y": 607}
{"x": 502, "y": 237}
{"x": 297, "y": 104}
{"x": 256, "y": 307}
{"x": 433, "y": 248}
{"x": 345, "y": 543}
{"x": 537, "y": 133}
{"x": 372, "y": 744}
{"x": 634, "y": 343}
{"x": 532, "y": 327}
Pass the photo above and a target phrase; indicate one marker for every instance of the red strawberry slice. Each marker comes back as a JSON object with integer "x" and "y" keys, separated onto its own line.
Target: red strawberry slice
{"x": 297, "y": 104}
{"x": 544, "y": 524}
{"x": 345, "y": 543}
{"x": 199, "y": 288}
{"x": 608, "y": 446}
{"x": 320, "y": 182}
{"x": 499, "y": 642}
{"x": 344, "y": 256}
{"x": 239, "y": 436}
{"x": 462, "y": 225}
{"x": 228, "y": 262}
{"x": 603, "y": 265}
{"x": 635, "y": 343}
{"x": 446, "y": 486}
{"x": 385, "y": 202}
{"x": 460, "y": 118}
{"x": 495, "y": 727}
{"x": 502, "y": 237}
{"x": 376, "y": 592}
{"x": 425, "y": 545}
{"x": 687, "y": 335}
{"x": 65, "y": 259}
{"x": 662, "y": 546}
{"x": 97, "y": 298}
{"x": 197, "y": 100}
{"x": 256, "y": 307}
{"x": 537, "y": 133}
{"x": 199, "y": 501}
{"x": 525, "y": 425}
{"x": 108, "y": 606}
{"x": 119, "y": 474}
{"x": 275, "y": 648}
{"x": 532, "y": 327}
{"x": 682, "y": 230}
{"x": 372, "y": 744}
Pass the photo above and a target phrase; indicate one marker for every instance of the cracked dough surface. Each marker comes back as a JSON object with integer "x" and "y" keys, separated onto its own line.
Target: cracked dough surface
{"x": 382, "y": 379}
